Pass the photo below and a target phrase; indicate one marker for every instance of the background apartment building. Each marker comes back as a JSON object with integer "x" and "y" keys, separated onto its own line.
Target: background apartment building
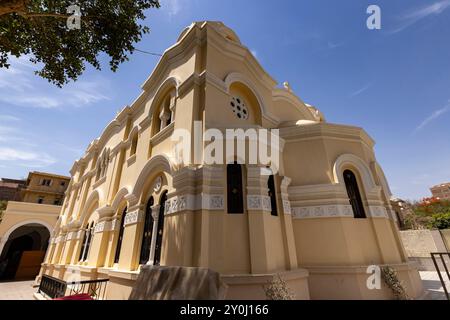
{"x": 441, "y": 191}
{"x": 45, "y": 188}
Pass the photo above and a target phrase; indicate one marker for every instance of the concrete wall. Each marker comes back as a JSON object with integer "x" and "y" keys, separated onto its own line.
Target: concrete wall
{"x": 420, "y": 243}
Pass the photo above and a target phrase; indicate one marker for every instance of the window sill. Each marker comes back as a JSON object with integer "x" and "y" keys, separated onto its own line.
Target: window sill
{"x": 99, "y": 182}
{"x": 162, "y": 135}
{"x": 131, "y": 160}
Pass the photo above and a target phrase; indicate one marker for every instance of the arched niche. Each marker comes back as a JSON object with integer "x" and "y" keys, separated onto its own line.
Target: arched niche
{"x": 157, "y": 166}
{"x": 359, "y": 168}
{"x": 162, "y": 107}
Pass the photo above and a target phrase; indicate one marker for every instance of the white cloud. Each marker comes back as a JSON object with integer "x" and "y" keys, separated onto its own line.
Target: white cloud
{"x": 436, "y": 114}
{"x": 20, "y": 87}
{"x": 8, "y": 118}
{"x": 26, "y": 157}
{"x": 361, "y": 90}
{"x": 173, "y": 7}
{"x": 413, "y": 16}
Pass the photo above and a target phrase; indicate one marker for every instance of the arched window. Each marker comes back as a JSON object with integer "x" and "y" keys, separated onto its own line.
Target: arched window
{"x": 164, "y": 114}
{"x": 102, "y": 164}
{"x": 159, "y": 235}
{"x": 84, "y": 252}
{"x": 272, "y": 195}
{"x": 134, "y": 143}
{"x": 235, "y": 197}
{"x": 147, "y": 233}
{"x": 353, "y": 194}
{"x": 120, "y": 238}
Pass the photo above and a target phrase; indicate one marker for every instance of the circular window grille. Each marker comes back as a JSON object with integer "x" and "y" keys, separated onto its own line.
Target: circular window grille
{"x": 239, "y": 108}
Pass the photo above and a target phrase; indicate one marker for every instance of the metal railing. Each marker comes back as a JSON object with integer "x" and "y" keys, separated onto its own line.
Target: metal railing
{"x": 52, "y": 287}
{"x": 56, "y": 288}
{"x": 94, "y": 288}
{"x": 442, "y": 256}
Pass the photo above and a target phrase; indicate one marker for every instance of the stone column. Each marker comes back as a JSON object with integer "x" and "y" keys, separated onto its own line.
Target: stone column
{"x": 258, "y": 208}
{"x": 163, "y": 117}
{"x": 286, "y": 222}
{"x": 155, "y": 215}
{"x": 132, "y": 237}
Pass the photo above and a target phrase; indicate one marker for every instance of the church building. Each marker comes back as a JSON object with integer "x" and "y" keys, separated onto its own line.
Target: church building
{"x": 319, "y": 221}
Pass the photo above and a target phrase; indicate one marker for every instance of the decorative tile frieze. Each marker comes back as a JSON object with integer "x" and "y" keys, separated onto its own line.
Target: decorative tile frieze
{"x": 259, "y": 202}
{"x": 133, "y": 217}
{"x": 327, "y": 211}
{"x": 286, "y": 207}
{"x": 180, "y": 203}
{"x": 214, "y": 202}
{"x": 192, "y": 202}
{"x": 99, "y": 227}
{"x": 60, "y": 239}
{"x": 72, "y": 235}
{"x": 114, "y": 225}
{"x": 378, "y": 212}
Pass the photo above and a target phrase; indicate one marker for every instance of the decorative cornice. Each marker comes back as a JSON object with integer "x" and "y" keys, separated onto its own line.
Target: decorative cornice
{"x": 326, "y": 130}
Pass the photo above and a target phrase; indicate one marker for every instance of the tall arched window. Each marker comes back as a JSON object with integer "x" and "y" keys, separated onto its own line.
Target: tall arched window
{"x": 353, "y": 194}
{"x": 159, "y": 235}
{"x": 147, "y": 233}
{"x": 134, "y": 142}
{"x": 235, "y": 197}
{"x": 272, "y": 195}
{"x": 120, "y": 238}
{"x": 84, "y": 252}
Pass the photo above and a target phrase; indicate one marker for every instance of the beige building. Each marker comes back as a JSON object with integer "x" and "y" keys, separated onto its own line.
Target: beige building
{"x": 320, "y": 221}
{"x": 45, "y": 188}
{"x": 441, "y": 191}
{"x": 27, "y": 224}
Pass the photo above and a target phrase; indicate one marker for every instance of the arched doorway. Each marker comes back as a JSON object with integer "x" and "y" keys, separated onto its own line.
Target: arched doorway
{"x": 24, "y": 252}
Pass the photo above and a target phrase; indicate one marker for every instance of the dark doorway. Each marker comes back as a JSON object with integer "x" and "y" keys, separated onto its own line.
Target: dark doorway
{"x": 353, "y": 194}
{"x": 120, "y": 238}
{"x": 235, "y": 198}
{"x": 23, "y": 252}
{"x": 147, "y": 233}
{"x": 272, "y": 194}
{"x": 159, "y": 235}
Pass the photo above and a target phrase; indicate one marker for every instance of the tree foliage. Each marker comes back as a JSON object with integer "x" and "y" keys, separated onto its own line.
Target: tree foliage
{"x": 432, "y": 213}
{"x": 3, "y": 205}
{"x": 39, "y": 28}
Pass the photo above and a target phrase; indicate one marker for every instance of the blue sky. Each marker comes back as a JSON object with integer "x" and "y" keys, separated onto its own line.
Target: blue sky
{"x": 393, "y": 82}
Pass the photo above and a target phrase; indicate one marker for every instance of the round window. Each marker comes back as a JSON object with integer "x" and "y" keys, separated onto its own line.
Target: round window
{"x": 239, "y": 108}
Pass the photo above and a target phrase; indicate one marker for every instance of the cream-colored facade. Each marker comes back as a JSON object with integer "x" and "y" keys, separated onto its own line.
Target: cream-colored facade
{"x": 312, "y": 238}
